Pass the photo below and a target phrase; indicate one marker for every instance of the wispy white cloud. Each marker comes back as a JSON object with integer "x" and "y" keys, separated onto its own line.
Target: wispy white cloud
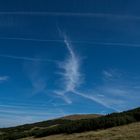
{"x": 3, "y": 78}
{"x": 11, "y": 116}
{"x": 98, "y": 99}
{"x": 117, "y": 91}
{"x": 107, "y": 74}
{"x": 72, "y": 77}
{"x": 32, "y": 67}
{"x": 25, "y": 58}
{"x": 62, "y": 94}
{"x": 71, "y": 67}
{"x": 38, "y": 81}
{"x": 111, "y": 94}
{"x": 116, "y": 97}
{"x": 119, "y": 98}
{"x": 111, "y": 74}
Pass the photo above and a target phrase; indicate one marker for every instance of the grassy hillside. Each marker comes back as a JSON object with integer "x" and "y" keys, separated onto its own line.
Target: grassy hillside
{"x": 69, "y": 126}
{"x": 48, "y": 123}
{"x": 126, "y": 132}
{"x": 81, "y": 116}
{"x": 22, "y": 129}
{"x": 103, "y": 122}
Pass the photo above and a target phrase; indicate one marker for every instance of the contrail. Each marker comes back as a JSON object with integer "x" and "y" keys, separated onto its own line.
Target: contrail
{"x": 69, "y": 14}
{"x": 26, "y": 58}
{"x": 95, "y": 100}
{"x": 107, "y": 44}
{"x": 30, "y": 39}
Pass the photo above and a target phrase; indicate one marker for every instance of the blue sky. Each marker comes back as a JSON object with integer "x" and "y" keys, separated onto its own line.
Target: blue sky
{"x": 67, "y": 57}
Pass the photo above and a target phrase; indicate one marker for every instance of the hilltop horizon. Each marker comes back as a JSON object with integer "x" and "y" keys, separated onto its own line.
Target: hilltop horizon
{"x": 68, "y": 57}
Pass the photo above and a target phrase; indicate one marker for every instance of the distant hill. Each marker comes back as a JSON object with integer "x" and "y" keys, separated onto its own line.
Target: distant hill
{"x": 81, "y": 116}
{"x": 42, "y": 125}
{"x": 71, "y": 124}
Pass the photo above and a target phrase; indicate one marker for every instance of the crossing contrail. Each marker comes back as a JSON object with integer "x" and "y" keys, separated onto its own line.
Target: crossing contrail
{"x": 30, "y": 39}
{"x": 26, "y": 58}
{"x": 107, "y": 44}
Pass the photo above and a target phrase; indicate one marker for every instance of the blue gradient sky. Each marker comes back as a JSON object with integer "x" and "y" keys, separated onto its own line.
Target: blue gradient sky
{"x": 66, "y": 57}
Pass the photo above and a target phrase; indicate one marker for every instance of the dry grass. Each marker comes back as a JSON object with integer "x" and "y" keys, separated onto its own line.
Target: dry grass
{"x": 81, "y": 116}
{"x": 127, "y": 132}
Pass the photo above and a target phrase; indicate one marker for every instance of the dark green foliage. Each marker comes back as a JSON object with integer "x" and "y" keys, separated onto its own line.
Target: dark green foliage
{"x": 59, "y": 126}
{"x": 38, "y": 124}
{"x": 108, "y": 121}
{"x": 22, "y": 131}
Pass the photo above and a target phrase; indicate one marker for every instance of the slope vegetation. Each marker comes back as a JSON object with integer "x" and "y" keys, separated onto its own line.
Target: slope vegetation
{"x": 70, "y": 126}
{"x": 126, "y": 132}
{"x": 81, "y": 116}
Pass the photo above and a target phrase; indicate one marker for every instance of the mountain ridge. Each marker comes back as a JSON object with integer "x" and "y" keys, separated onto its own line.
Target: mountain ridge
{"x": 71, "y": 124}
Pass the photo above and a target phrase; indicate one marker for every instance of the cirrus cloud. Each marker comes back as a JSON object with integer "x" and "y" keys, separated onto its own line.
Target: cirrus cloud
{"x": 3, "y": 78}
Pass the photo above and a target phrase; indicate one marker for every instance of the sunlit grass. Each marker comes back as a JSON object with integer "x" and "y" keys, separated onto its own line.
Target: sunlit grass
{"x": 126, "y": 132}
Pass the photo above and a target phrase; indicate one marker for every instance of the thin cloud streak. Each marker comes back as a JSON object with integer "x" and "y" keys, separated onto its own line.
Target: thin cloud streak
{"x": 22, "y": 112}
{"x": 70, "y": 14}
{"x": 26, "y": 58}
{"x": 107, "y": 44}
{"x": 116, "y": 91}
{"x": 62, "y": 94}
{"x": 31, "y": 39}
{"x": 95, "y": 99}
{"x": 4, "y": 78}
